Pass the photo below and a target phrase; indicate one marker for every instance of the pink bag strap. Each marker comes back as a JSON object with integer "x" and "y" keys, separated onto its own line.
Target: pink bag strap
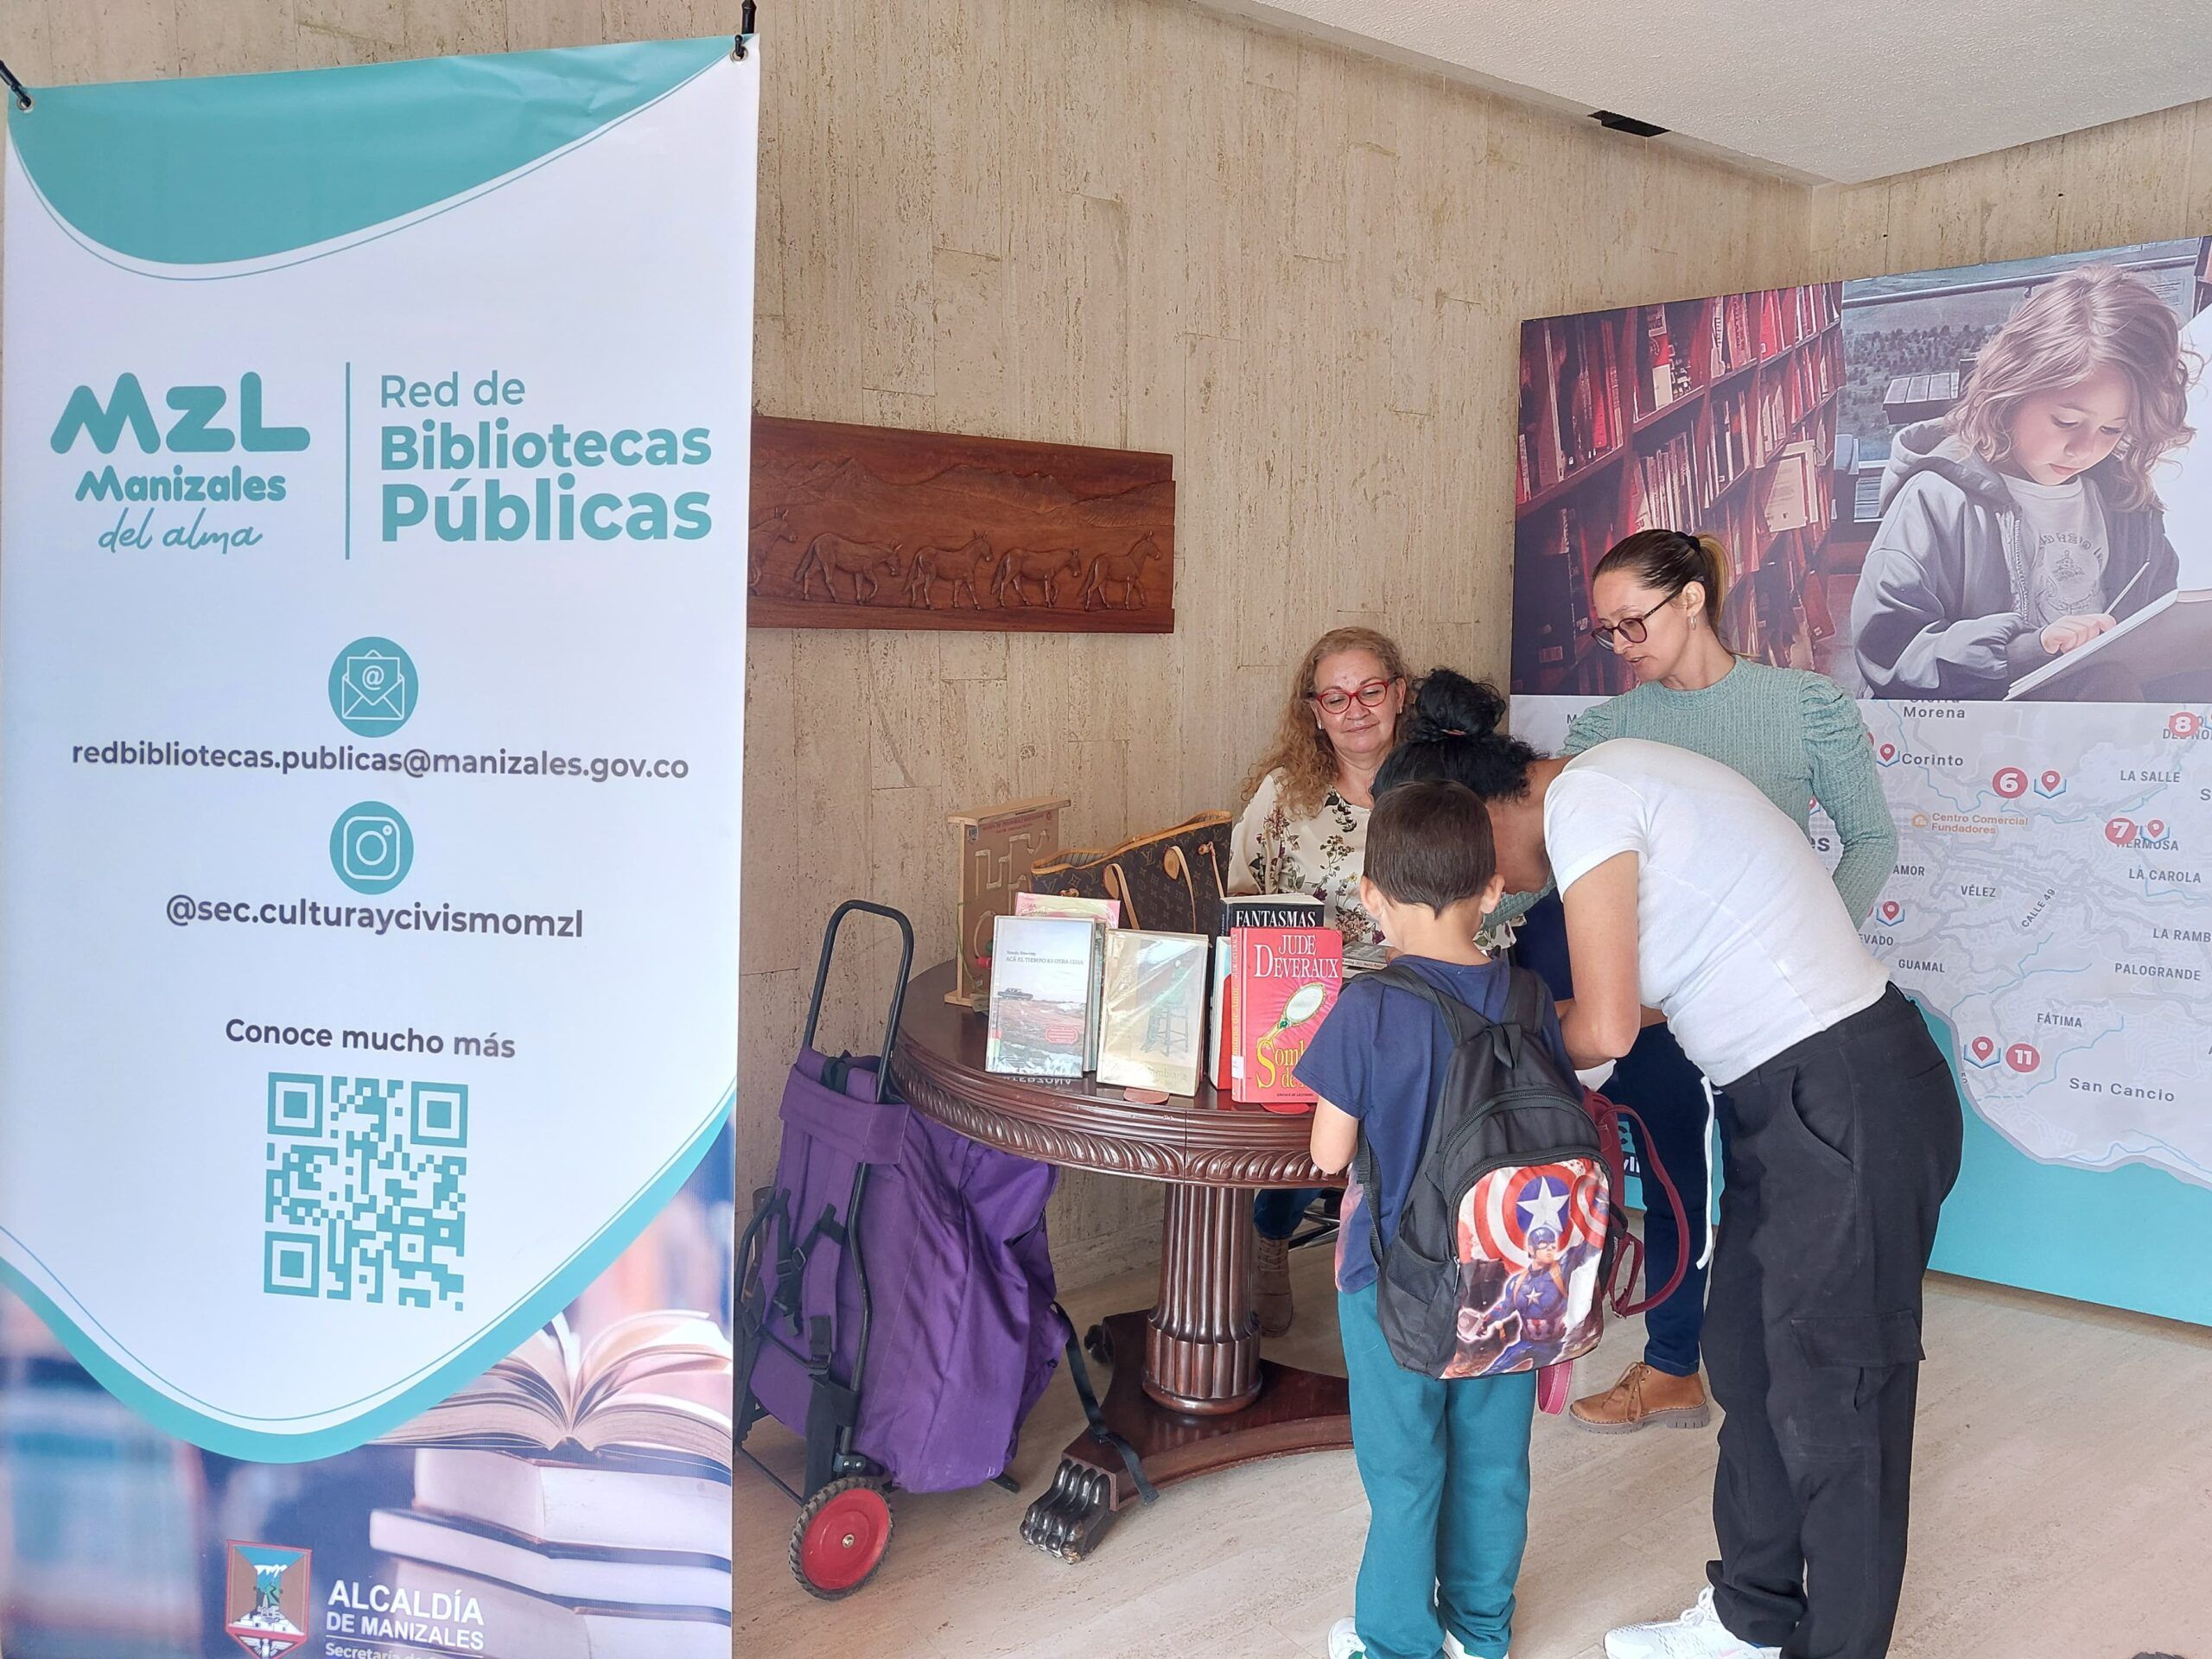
{"x": 1653, "y": 1166}
{"x": 1554, "y": 1384}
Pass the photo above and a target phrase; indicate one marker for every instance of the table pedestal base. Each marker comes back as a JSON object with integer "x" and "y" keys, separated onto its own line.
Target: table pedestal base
{"x": 1291, "y": 1411}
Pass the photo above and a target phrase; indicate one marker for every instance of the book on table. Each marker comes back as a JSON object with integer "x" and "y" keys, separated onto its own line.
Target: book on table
{"x": 1287, "y": 980}
{"x": 521, "y": 1622}
{"x": 1154, "y": 1011}
{"x": 1247, "y": 910}
{"x": 1107, "y": 913}
{"x": 1041, "y": 1000}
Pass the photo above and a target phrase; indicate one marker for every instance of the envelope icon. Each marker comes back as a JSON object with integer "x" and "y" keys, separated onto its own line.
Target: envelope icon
{"x": 374, "y": 688}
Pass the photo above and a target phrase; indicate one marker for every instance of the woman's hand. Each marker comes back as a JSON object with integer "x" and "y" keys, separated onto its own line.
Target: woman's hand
{"x": 2072, "y": 632}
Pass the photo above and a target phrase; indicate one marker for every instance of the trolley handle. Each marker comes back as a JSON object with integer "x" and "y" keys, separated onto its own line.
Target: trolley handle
{"x": 898, "y": 985}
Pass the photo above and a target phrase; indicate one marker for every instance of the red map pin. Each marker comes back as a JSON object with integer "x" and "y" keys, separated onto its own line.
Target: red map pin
{"x": 1889, "y": 751}
{"x": 2052, "y": 779}
{"x": 2156, "y": 828}
{"x": 1892, "y": 909}
{"x": 2120, "y": 831}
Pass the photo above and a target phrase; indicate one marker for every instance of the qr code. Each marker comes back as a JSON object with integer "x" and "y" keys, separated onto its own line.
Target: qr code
{"x": 363, "y": 1200}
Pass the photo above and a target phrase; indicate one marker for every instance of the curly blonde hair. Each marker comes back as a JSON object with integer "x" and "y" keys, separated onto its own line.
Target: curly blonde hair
{"x": 1300, "y": 750}
{"x": 2097, "y": 317}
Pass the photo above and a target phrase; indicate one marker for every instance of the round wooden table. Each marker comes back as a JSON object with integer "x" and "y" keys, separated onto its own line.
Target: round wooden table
{"x": 1202, "y": 1399}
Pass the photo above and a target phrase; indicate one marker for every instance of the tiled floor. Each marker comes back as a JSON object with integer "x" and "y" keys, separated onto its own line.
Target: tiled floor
{"x": 2063, "y": 1510}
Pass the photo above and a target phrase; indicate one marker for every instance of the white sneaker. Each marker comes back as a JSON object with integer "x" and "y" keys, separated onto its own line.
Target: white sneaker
{"x": 1698, "y": 1633}
{"x": 1344, "y": 1644}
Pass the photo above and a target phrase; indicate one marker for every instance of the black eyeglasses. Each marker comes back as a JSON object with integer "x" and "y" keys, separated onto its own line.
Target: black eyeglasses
{"x": 1631, "y": 629}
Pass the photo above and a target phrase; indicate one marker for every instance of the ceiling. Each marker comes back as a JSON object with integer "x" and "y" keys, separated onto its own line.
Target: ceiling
{"x": 1820, "y": 93}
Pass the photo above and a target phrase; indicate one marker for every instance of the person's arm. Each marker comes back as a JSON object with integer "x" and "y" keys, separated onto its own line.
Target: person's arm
{"x": 1335, "y": 1067}
{"x": 1848, "y": 786}
{"x": 1594, "y": 724}
{"x": 1336, "y": 1136}
{"x": 1602, "y": 1021}
{"x": 1251, "y": 858}
{"x": 1909, "y": 643}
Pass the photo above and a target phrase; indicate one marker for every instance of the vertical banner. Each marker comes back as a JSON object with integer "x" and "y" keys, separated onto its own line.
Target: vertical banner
{"x": 1980, "y": 500}
{"x": 371, "y": 650}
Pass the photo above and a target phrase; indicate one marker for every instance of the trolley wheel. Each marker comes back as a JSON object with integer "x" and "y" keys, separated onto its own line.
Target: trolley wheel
{"x": 1098, "y": 1345}
{"x": 842, "y": 1532}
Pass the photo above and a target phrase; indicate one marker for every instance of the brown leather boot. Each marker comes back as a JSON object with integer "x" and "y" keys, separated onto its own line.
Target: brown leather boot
{"x": 1272, "y": 1299}
{"x": 1641, "y": 1398}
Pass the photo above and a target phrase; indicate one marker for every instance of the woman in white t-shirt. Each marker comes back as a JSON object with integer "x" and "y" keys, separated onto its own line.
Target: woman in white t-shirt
{"x": 1689, "y": 896}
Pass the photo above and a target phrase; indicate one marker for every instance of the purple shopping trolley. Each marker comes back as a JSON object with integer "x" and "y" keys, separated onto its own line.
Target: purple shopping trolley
{"x": 894, "y": 1297}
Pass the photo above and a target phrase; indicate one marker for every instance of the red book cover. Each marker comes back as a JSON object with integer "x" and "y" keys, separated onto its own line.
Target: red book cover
{"x": 1287, "y": 980}
{"x": 1220, "y": 1071}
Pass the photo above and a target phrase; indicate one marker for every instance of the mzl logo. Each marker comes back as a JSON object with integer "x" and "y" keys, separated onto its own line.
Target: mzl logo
{"x": 203, "y": 426}
{"x": 265, "y": 1598}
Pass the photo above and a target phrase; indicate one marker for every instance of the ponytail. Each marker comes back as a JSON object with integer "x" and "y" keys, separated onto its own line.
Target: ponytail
{"x": 1667, "y": 561}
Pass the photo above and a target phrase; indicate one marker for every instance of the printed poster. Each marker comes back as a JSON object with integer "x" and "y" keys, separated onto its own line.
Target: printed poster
{"x": 1981, "y": 499}
{"x": 370, "y": 618}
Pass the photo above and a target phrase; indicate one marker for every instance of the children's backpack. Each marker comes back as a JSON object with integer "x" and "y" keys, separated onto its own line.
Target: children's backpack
{"x": 1511, "y": 1239}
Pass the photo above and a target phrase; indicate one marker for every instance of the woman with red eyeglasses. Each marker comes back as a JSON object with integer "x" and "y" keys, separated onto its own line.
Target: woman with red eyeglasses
{"x": 1304, "y": 831}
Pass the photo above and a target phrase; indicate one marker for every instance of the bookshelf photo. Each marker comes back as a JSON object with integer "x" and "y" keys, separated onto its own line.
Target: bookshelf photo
{"x": 1714, "y": 416}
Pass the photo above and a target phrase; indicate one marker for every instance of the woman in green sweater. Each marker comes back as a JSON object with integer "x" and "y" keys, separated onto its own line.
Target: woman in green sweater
{"x": 1655, "y": 601}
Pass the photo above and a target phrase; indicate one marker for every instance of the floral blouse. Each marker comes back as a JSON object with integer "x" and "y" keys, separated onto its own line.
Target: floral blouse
{"x": 1320, "y": 855}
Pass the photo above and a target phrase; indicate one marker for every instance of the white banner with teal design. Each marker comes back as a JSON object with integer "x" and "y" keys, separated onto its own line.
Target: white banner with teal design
{"x": 372, "y": 649}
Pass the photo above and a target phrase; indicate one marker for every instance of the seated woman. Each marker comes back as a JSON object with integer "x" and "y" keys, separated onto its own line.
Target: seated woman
{"x": 1304, "y": 831}
{"x": 1686, "y": 890}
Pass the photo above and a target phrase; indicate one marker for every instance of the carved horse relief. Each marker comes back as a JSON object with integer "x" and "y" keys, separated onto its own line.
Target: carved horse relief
{"x": 1125, "y": 570}
{"x": 961, "y": 567}
{"x": 768, "y": 534}
{"x": 862, "y": 561}
{"x": 1042, "y": 567}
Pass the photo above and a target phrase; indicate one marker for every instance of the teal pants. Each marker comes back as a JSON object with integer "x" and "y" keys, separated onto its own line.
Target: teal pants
{"x": 1445, "y": 1468}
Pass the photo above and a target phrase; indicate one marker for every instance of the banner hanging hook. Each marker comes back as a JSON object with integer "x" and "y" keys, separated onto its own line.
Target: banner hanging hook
{"x": 24, "y": 97}
{"x": 745, "y": 32}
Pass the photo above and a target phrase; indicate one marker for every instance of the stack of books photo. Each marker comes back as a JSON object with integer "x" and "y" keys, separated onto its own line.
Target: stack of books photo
{"x": 579, "y": 1493}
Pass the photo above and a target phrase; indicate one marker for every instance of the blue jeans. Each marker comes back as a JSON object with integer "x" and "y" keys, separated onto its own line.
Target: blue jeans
{"x": 1277, "y": 1212}
{"x": 1667, "y": 1092}
{"x": 1445, "y": 1469}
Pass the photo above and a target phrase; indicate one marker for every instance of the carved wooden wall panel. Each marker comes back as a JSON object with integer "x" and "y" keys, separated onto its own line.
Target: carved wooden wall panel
{"x": 871, "y": 527}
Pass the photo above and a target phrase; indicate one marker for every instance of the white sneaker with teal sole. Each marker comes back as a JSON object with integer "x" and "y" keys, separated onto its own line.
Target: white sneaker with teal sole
{"x": 1344, "y": 1644}
{"x": 1698, "y": 1633}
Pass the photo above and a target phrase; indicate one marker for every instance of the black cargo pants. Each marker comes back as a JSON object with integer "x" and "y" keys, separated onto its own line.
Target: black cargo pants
{"x": 1840, "y": 1152}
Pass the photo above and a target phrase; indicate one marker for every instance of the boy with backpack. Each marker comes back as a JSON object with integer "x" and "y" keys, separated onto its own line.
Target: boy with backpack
{"x": 1440, "y": 1437}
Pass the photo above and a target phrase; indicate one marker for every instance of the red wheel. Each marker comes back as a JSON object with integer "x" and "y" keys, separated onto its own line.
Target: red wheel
{"x": 842, "y": 1534}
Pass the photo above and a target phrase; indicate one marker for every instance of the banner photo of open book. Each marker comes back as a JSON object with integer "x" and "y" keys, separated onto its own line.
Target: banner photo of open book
{"x": 1980, "y": 501}
{"x": 368, "y": 941}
